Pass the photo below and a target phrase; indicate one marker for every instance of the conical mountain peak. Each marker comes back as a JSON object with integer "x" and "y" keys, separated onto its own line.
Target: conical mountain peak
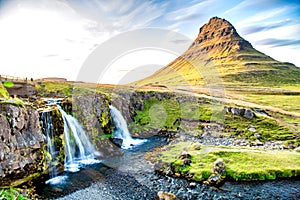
{"x": 219, "y": 49}
{"x": 219, "y": 34}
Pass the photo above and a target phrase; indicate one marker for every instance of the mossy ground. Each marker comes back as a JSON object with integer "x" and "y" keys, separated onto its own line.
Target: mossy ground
{"x": 3, "y": 92}
{"x": 242, "y": 164}
{"x": 167, "y": 114}
{"x": 11, "y": 194}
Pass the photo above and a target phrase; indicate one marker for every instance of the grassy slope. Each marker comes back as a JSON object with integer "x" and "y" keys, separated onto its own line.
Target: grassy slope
{"x": 241, "y": 163}
{"x": 165, "y": 114}
{"x": 3, "y": 92}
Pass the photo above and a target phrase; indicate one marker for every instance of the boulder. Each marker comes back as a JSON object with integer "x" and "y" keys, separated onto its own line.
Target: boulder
{"x": 248, "y": 114}
{"x": 117, "y": 141}
{"x": 184, "y": 155}
{"x": 166, "y": 196}
{"x": 235, "y": 111}
{"x": 186, "y": 162}
{"x": 219, "y": 166}
{"x": 217, "y": 178}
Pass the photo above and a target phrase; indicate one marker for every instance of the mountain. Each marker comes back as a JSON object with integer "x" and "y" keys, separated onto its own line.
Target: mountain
{"x": 219, "y": 55}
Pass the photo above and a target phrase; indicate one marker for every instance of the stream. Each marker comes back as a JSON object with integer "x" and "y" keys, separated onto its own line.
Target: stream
{"x": 130, "y": 176}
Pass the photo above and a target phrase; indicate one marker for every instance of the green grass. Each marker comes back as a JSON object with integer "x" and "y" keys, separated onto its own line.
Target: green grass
{"x": 3, "y": 92}
{"x": 268, "y": 128}
{"x": 159, "y": 114}
{"x": 8, "y": 84}
{"x": 11, "y": 194}
{"x": 275, "y": 78}
{"x": 242, "y": 164}
{"x": 286, "y": 102}
{"x": 56, "y": 87}
{"x": 15, "y": 101}
{"x": 165, "y": 114}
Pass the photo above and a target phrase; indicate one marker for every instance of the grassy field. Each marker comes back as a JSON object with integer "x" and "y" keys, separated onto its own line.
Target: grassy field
{"x": 242, "y": 164}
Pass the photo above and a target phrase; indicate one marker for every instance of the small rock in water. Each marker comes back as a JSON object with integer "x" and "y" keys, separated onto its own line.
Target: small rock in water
{"x": 192, "y": 185}
{"x": 166, "y": 196}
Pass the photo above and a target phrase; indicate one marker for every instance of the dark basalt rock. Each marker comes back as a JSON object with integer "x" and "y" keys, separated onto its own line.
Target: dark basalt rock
{"x": 21, "y": 142}
{"x": 117, "y": 141}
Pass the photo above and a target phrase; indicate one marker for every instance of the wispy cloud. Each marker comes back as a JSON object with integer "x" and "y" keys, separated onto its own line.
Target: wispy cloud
{"x": 266, "y": 27}
{"x": 273, "y": 42}
{"x": 188, "y": 13}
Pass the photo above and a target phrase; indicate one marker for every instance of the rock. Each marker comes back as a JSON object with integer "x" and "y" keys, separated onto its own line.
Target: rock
{"x": 257, "y": 135}
{"x": 242, "y": 111}
{"x": 117, "y": 141}
{"x": 186, "y": 162}
{"x": 201, "y": 164}
{"x": 248, "y": 114}
{"x": 228, "y": 110}
{"x": 252, "y": 128}
{"x": 21, "y": 143}
{"x": 297, "y": 149}
{"x": 215, "y": 180}
{"x": 196, "y": 146}
{"x": 219, "y": 166}
{"x": 166, "y": 196}
{"x": 184, "y": 155}
{"x": 192, "y": 185}
{"x": 235, "y": 111}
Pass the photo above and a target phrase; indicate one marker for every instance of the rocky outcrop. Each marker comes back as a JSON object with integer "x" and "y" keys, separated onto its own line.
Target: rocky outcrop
{"x": 21, "y": 144}
{"x": 217, "y": 177}
{"x": 22, "y": 89}
{"x": 247, "y": 113}
{"x": 219, "y": 35}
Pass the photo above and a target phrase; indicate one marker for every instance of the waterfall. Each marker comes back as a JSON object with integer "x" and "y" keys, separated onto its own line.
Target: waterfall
{"x": 78, "y": 149}
{"x": 121, "y": 131}
{"x": 47, "y": 128}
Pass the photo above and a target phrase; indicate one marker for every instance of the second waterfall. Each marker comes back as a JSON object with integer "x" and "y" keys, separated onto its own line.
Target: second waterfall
{"x": 121, "y": 130}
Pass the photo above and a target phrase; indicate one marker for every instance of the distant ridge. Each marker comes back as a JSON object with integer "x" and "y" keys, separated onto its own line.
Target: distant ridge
{"x": 220, "y": 51}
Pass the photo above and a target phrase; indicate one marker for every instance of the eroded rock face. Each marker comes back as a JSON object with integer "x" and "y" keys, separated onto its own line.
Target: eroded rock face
{"x": 20, "y": 143}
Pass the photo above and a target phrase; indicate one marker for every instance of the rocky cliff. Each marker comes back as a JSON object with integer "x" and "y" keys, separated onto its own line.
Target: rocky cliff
{"x": 21, "y": 144}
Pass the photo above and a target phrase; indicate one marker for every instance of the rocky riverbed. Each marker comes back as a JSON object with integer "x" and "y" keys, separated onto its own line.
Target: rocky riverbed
{"x": 131, "y": 177}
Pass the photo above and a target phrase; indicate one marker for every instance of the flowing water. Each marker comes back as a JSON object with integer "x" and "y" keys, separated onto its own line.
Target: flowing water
{"x": 121, "y": 131}
{"x": 47, "y": 128}
{"x": 78, "y": 149}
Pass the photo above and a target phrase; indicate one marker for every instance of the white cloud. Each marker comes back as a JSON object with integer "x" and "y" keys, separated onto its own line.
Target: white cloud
{"x": 30, "y": 31}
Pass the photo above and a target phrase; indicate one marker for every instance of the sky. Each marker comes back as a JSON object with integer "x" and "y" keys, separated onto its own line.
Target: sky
{"x": 53, "y": 38}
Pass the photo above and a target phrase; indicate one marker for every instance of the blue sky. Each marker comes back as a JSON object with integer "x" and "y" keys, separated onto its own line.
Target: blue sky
{"x": 53, "y": 37}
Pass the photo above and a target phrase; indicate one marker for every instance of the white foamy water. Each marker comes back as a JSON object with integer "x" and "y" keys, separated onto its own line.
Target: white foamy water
{"x": 122, "y": 131}
{"x": 57, "y": 180}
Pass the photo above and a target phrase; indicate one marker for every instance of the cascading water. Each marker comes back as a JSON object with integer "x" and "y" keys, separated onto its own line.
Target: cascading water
{"x": 47, "y": 128}
{"x": 78, "y": 149}
{"x": 121, "y": 130}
